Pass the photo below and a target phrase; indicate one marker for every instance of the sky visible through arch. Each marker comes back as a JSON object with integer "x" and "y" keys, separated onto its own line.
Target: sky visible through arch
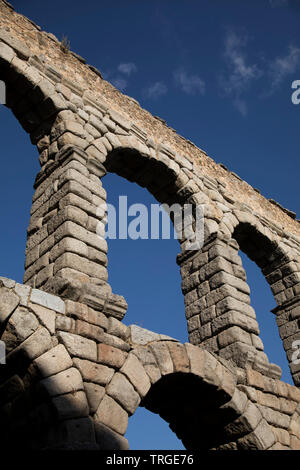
{"x": 220, "y": 73}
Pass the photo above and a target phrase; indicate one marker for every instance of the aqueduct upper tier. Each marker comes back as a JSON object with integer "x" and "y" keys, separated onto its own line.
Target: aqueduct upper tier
{"x": 73, "y": 367}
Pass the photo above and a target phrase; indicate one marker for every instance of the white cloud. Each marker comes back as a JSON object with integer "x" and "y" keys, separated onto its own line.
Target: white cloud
{"x": 119, "y": 83}
{"x": 155, "y": 90}
{"x": 190, "y": 84}
{"x": 284, "y": 66}
{"x": 127, "y": 68}
{"x": 240, "y": 73}
{"x": 241, "y": 106}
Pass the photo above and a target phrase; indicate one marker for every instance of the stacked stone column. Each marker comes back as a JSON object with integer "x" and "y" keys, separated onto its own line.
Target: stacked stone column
{"x": 65, "y": 253}
{"x": 217, "y": 300}
{"x": 284, "y": 278}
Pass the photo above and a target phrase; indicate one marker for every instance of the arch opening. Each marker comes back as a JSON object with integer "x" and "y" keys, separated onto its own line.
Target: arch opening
{"x": 280, "y": 273}
{"x": 195, "y": 410}
{"x": 19, "y": 168}
{"x": 144, "y": 270}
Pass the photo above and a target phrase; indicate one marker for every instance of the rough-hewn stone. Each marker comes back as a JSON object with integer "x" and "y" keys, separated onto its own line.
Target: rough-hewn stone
{"x": 66, "y": 317}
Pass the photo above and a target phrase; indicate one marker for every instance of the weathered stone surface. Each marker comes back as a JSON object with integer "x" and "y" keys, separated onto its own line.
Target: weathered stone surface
{"x": 66, "y": 255}
{"x": 45, "y": 315}
{"x": 94, "y": 393}
{"x": 179, "y": 356}
{"x": 78, "y": 346}
{"x": 54, "y": 361}
{"x": 112, "y": 415}
{"x": 123, "y": 392}
{"x": 108, "y": 439}
{"x": 233, "y": 334}
{"x": 111, "y": 356}
{"x": 66, "y": 381}
{"x": 23, "y": 323}
{"x": 92, "y": 372}
{"x": 34, "y": 346}
{"x": 117, "y": 328}
{"x": 142, "y": 336}
{"x": 135, "y": 372}
{"x": 163, "y": 357}
{"x": 80, "y": 434}
{"x": 23, "y": 292}
{"x": 89, "y": 331}
{"x": 8, "y": 303}
{"x": 196, "y": 358}
{"x": 71, "y": 405}
{"x": 47, "y": 300}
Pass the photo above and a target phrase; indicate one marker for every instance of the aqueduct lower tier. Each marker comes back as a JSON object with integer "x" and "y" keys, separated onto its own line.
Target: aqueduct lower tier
{"x": 74, "y": 371}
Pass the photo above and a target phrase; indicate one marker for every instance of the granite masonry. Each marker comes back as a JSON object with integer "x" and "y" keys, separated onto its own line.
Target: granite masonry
{"x": 74, "y": 372}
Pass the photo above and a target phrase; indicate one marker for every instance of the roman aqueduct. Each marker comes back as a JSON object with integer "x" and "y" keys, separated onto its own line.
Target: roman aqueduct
{"x": 74, "y": 372}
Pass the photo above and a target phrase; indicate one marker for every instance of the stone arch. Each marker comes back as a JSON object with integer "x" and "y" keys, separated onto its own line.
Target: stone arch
{"x": 206, "y": 397}
{"x": 281, "y": 269}
{"x": 31, "y": 95}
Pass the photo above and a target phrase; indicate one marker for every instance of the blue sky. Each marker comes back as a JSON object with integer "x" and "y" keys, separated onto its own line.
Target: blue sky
{"x": 220, "y": 73}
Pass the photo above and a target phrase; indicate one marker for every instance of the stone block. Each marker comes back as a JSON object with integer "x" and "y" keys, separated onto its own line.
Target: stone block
{"x": 92, "y": 372}
{"x": 135, "y": 372}
{"x": 110, "y": 356}
{"x": 232, "y": 335}
{"x": 196, "y": 358}
{"x": 108, "y": 439}
{"x": 34, "y": 346}
{"x": 70, "y": 245}
{"x": 78, "y": 346}
{"x": 94, "y": 393}
{"x": 275, "y": 418}
{"x": 66, "y": 381}
{"x": 179, "y": 356}
{"x": 54, "y": 361}
{"x": 64, "y": 323}
{"x": 207, "y": 315}
{"x": 45, "y": 315}
{"x": 23, "y": 293}
{"x": 73, "y": 261}
{"x": 9, "y": 283}
{"x": 123, "y": 392}
{"x": 97, "y": 318}
{"x": 89, "y": 331}
{"x": 222, "y": 278}
{"x": 233, "y": 304}
{"x": 163, "y": 357}
{"x": 79, "y": 434}
{"x": 49, "y": 301}
{"x": 8, "y": 303}
{"x": 111, "y": 414}
{"x": 115, "y": 342}
{"x": 117, "y": 328}
{"x": 71, "y": 405}
{"x": 6, "y": 53}
{"x": 23, "y": 323}
{"x": 194, "y": 323}
{"x": 142, "y": 336}
{"x": 153, "y": 372}
{"x": 233, "y": 318}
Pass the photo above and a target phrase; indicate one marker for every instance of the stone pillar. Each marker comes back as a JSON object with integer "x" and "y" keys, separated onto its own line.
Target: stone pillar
{"x": 288, "y": 321}
{"x": 217, "y": 300}
{"x": 64, "y": 253}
